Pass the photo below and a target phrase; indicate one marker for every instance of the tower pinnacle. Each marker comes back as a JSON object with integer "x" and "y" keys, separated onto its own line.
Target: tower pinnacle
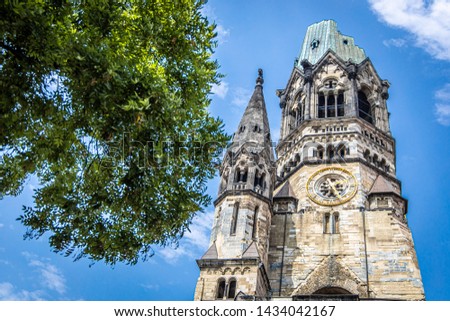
{"x": 260, "y": 79}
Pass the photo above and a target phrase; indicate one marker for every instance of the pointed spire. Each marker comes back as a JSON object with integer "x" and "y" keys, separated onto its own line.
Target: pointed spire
{"x": 286, "y": 191}
{"x": 382, "y": 186}
{"x": 254, "y": 125}
{"x": 251, "y": 252}
{"x": 211, "y": 253}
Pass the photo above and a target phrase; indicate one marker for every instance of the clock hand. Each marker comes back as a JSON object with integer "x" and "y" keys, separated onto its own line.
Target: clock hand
{"x": 342, "y": 181}
{"x": 334, "y": 189}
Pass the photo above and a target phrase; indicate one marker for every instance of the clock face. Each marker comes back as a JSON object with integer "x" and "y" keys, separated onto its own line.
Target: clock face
{"x": 331, "y": 186}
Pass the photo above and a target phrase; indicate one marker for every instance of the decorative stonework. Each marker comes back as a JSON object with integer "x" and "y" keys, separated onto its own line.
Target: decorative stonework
{"x": 294, "y": 228}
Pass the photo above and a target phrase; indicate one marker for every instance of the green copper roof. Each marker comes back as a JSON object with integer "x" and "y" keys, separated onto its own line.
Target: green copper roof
{"x": 325, "y": 35}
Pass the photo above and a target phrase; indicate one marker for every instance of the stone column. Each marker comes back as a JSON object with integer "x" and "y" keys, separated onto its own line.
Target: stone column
{"x": 307, "y": 70}
{"x": 352, "y": 72}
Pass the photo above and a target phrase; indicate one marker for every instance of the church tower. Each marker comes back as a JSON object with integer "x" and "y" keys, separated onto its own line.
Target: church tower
{"x": 237, "y": 259}
{"x": 335, "y": 226}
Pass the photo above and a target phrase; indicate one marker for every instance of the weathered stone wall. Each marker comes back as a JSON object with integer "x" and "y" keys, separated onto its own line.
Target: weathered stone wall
{"x": 314, "y": 259}
{"x": 246, "y": 274}
{"x": 233, "y": 245}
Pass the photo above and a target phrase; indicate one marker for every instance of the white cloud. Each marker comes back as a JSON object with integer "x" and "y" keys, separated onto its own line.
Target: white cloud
{"x": 222, "y": 33}
{"x": 194, "y": 243}
{"x": 427, "y": 20}
{"x": 9, "y": 293}
{"x": 442, "y": 113}
{"x": 241, "y": 97}
{"x": 443, "y": 94}
{"x": 49, "y": 275}
{"x": 220, "y": 90}
{"x": 442, "y": 106}
{"x": 395, "y": 42}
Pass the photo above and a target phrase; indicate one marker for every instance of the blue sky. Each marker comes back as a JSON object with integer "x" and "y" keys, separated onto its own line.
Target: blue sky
{"x": 408, "y": 43}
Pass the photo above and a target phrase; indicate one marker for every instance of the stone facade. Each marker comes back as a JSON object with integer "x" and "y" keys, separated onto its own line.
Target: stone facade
{"x": 326, "y": 220}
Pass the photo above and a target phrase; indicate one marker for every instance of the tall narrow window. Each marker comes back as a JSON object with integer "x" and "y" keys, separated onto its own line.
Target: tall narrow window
{"x": 326, "y": 223}
{"x": 241, "y": 175}
{"x": 234, "y": 218}
{"x": 340, "y": 105}
{"x": 330, "y": 152}
{"x": 255, "y": 220}
{"x": 300, "y": 112}
{"x": 232, "y": 289}
{"x": 221, "y": 289}
{"x": 364, "y": 107}
{"x": 331, "y": 223}
{"x": 342, "y": 151}
{"x": 321, "y": 107}
{"x": 335, "y": 223}
{"x": 331, "y": 106}
{"x": 320, "y": 152}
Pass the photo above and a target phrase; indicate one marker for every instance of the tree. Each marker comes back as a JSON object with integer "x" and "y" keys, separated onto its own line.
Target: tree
{"x": 105, "y": 102}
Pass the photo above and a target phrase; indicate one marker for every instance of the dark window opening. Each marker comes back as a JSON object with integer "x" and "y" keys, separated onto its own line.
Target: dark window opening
{"x": 221, "y": 289}
{"x": 259, "y": 180}
{"x": 330, "y": 152}
{"x": 331, "y": 107}
{"x": 232, "y": 289}
{"x": 234, "y": 218}
{"x": 364, "y": 107}
{"x": 340, "y": 105}
{"x": 320, "y": 152}
{"x": 326, "y": 223}
{"x": 255, "y": 220}
{"x": 241, "y": 175}
{"x": 332, "y": 290}
{"x": 321, "y": 106}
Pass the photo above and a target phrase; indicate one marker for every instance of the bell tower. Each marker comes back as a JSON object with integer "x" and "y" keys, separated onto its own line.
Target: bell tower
{"x": 237, "y": 259}
{"x": 347, "y": 236}
{"x": 327, "y": 219}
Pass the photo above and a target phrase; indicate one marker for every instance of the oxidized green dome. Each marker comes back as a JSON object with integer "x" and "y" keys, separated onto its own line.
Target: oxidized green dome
{"x": 324, "y": 35}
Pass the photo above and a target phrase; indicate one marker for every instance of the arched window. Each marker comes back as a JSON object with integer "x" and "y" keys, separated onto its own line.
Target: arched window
{"x": 321, "y": 107}
{"x": 299, "y": 110}
{"x": 335, "y": 223}
{"x": 331, "y": 106}
{"x": 367, "y": 155}
{"x": 331, "y": 290}
{"x": 259, "y": 179}
{"x": 364, "y": 108}
{"x": 320, "y": 152}
{"x": 326, "y": 223}
{"x": 241, "y": 175}
{"x": 234, "y": 218}
{"x": 331, "y": 223}
{"x": 330, "y": 152}
{"x": 340, "y": 105}
{"x": 232, "y": 289}
{"x": 221, "y": 289}
{"x": 375, "y": 160}
{"x": 342, "y": 151}
{"x": 255, "y": 220}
